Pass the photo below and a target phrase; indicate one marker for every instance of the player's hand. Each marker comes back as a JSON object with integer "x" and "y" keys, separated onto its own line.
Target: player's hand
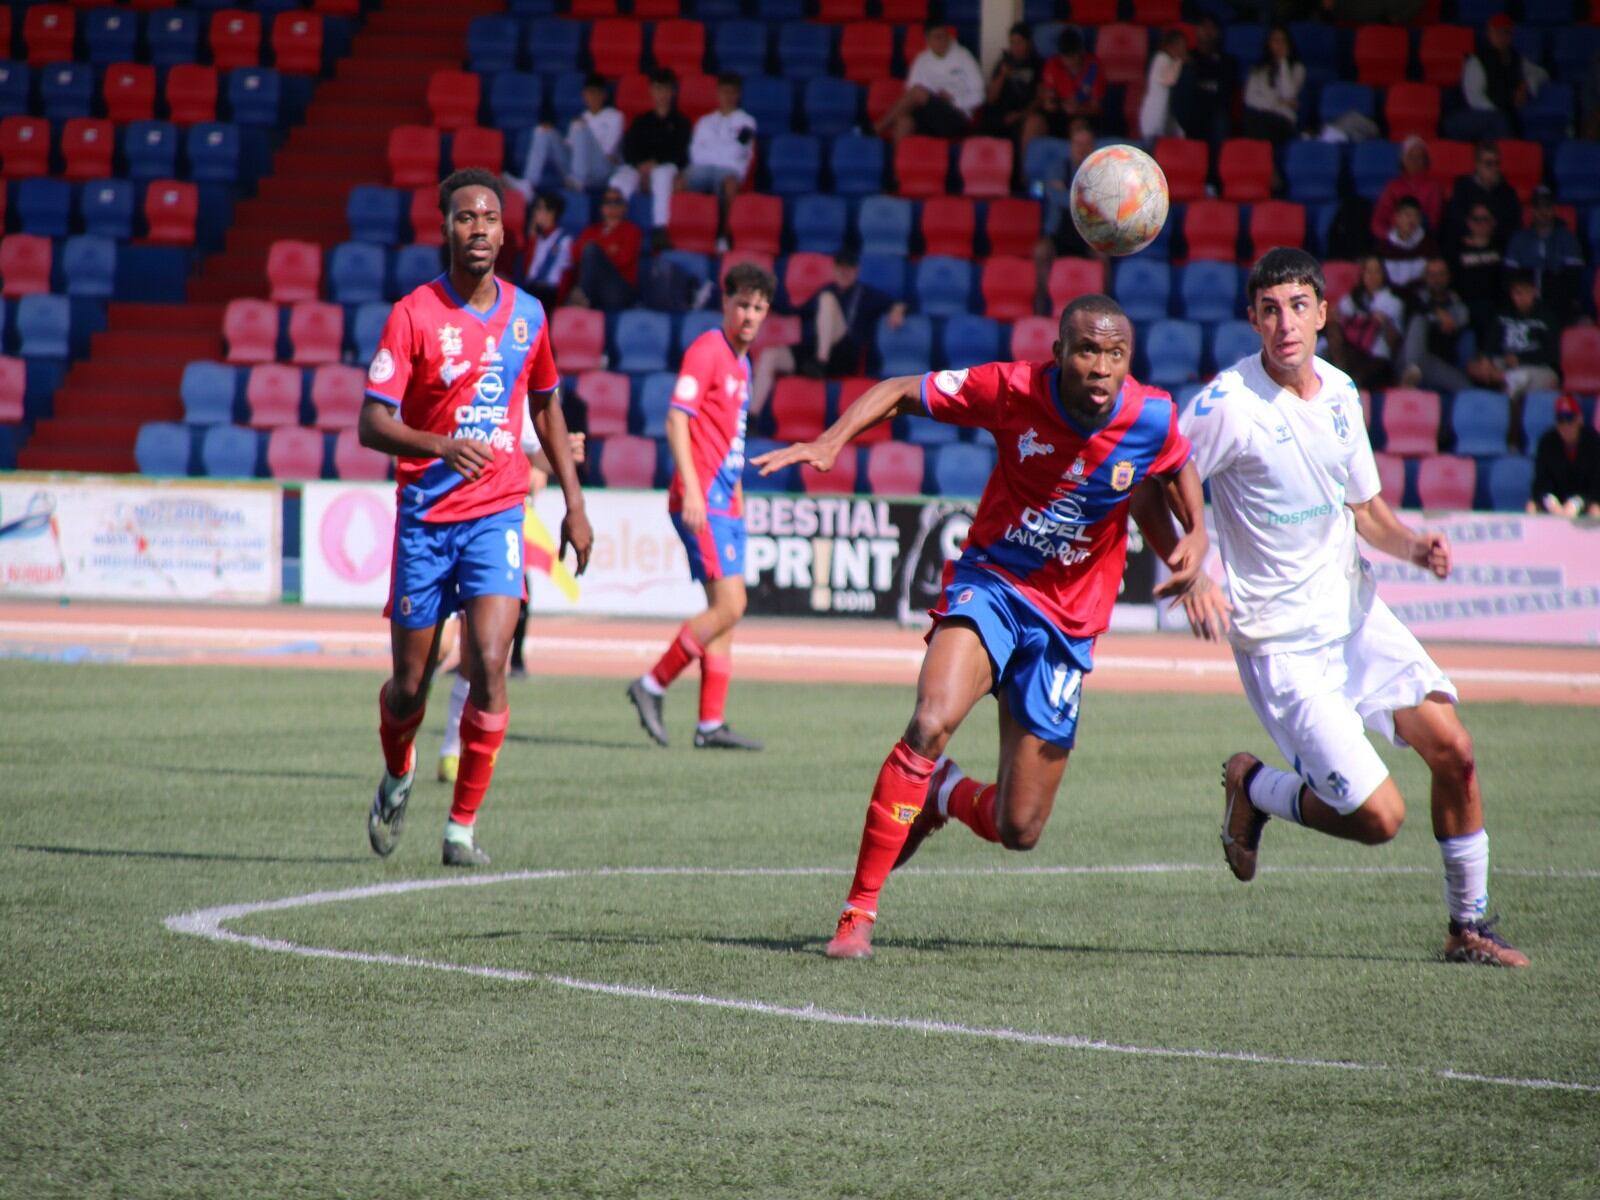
{"x": 575, "y": 446}
{"x": 466, "y": 458}
{"x": 1207, "y": 609}
{"x": 819, "y": 454}
{"x": 575, "y": 532}
{"x": 1432, "y": 552}
{"x": 694, "y": 512}
{"x": 1185, "y": 562}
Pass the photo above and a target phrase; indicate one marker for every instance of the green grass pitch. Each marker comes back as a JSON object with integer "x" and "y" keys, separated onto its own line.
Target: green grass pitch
{"x": 141, "y": 1062}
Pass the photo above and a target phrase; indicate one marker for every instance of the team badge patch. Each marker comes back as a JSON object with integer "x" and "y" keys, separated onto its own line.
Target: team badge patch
{"x": 382, "y": 368}
{"x": 966, "y": 594}
{"x": 1338, "y": 784}
{"x": 450, "y": 341}
{"x": 519, "y": 331}
{"x": 1029, "y": 444}
{"x": 687, "y": 389}
{"x": 949, "y": 382}
{"x": 405, "y": 606}
{"x": 1077, "y": 468}
{"x": 904, "y": 814}
{"x": 1122, "y": 475}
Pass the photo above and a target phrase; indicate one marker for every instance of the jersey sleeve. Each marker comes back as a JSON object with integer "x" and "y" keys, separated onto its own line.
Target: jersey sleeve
{"x": 1215, "y": 429}
{"x": 389, "y": 374}
{"x": 694, "y": 379}
{"x": 542, "y": 375}
{"x": 974, "y": 396}
{"x": 1175, "y": 451}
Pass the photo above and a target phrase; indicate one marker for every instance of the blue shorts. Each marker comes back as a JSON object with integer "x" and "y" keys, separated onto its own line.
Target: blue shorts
{"x": 1040, "y": 668}
{"x": 437, "y": 565}
{"x": 717, "y": 551}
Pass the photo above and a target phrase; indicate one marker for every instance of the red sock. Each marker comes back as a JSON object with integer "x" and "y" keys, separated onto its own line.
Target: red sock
{"x": 481, "y": 735}
{"x": 972, "y": 803}
{"x": 715, "y": 672}
{"x": 896, "y": 800}
{"x": 397, "y": 734}
{"x": 684, "y": 650}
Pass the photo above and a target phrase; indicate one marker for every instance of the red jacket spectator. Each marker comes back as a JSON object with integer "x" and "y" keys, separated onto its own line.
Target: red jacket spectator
{"x": 621, "y": 242}
{"x": 1413, "y": 181}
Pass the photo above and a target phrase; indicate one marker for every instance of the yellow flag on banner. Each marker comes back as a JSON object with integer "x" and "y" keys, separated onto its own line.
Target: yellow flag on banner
{"x": 539, "y": 553}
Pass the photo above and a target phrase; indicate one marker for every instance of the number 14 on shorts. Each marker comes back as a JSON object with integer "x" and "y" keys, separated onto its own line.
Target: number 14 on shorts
{"x": 1063, "y": 691}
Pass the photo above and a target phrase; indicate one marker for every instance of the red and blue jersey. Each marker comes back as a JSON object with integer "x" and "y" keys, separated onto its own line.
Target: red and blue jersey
{"x": 713, "y": 388}
{"x": 1053, "y": 520}
{"x": 457, "y": 372}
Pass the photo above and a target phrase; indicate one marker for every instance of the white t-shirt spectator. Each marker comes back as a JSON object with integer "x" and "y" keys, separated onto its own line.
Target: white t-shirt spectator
{"x": 956, "y": 75}
{"x": 605, "y": 126}
{"x": 716, "y": 141}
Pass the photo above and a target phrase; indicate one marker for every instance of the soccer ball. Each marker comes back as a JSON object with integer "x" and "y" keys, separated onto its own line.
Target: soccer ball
{"x": 1119, "y": 199}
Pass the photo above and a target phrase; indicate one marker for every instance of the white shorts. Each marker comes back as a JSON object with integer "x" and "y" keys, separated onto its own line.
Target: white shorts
{"x": 1314, "y": 703}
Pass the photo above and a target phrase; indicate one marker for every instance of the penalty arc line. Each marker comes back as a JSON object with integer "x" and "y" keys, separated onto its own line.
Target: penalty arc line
{"x": 210, "y": 923}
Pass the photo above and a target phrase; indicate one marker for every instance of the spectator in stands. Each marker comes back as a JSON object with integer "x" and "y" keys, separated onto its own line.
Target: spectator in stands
{"x": 723, "y": 144}
{"x": 1013, "y": 85}
{"x": 587, "y": 156}
{"x": 1566, "y": 465}
{"x": 1058, "y": 193}
{"x": 1072, "y": 86}
{"x": 1272, "y": 90}
{"x": 1206, "y": 89}
{"x": 1406, "y": 247}
{"x": 549, "y": 272}
{"x": 1477, "y": 263}
{"x": 608, "y": 257}
{"x": 1414, "y": 181}
{"x": 842, "y": 319}
{"x": 1496, "y": 81}
{"x": 943, "y": 90}
{"x": 1437, "y": 319}
{"x": 655, "y": 148}
{"x": 1363, "y": 338}
{"x": 1521, "y": 345}
{"x": 1156, "y": 118}
{"x": 1549, "y": 251}
{"x": 1486, "y": 185}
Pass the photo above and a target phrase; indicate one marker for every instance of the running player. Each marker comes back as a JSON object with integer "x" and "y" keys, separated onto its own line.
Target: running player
{"x": 445, "y": 395}
{"x": 705, "y": 430}
{"x": 1033, "y": 587}
{"x": 1281, "y": 439}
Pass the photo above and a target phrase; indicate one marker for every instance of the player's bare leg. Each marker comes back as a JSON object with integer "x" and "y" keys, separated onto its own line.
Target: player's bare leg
{"x": 489, "y": 625}
{"x": 402, "y": 703}
{"x": 1253, "y": 792}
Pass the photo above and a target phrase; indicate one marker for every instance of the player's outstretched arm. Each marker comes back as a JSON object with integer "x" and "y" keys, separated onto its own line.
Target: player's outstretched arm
{"x": 556, "y": 444}
{"x": 378, "y": 428}
{"x": 1153, "y": 505}
{"x": 1382, "y": 530}
{"x": 884, "y": 399}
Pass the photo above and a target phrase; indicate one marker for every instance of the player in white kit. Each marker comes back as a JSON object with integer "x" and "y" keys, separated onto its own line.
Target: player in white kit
{"x": 1281, "y": 439}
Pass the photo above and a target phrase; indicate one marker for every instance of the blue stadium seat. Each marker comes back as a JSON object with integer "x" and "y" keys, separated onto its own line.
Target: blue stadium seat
{"x": 944, "y": 285}
{"x": 230, "y": 452}
{"x": 1209, "y": 292}
{"x": 1172, "y": 348}
{"x": 1476, "y": 12}
{"x": 111, "y": 35}
{"x": 162, "y": 448}
{"x": 652, "y": 403}
{"x": 1548, "y": 12}
{"x": 1538, "y": 415}
{"x": 43, "y": 206}
{"x": 1313, "y": 170}
{"x": 1143, "y": 286}
{"x": 1547, "y": 117}
{"x": 414, "y": 266}
{"x": 795, "y": 162}
{"x": 215, "y": 150}
{"x": 555, "y": 46}
{"x": 643, "y": 338}
{"x": 1245, "y": 42}
{"x": 516, "y": 98}
{"x": 1576, "y": 170}
{"x": 886, "y": 272}
{"x": 1044, "y": 159}
{"x": 209, "y": 391}
{"x": 907, "y": 350}
{"x": 1372, "y": 165}
{"x": 884, "y": 225}
{"x": 696, "y": 322}
{"x": 566, "y": 97}
{"x": 532, "y": 8}
{"x": 804, "y": 49}
{"x": 1481, "y": 420}
{"x": 151, "y": 149}
{"x": 1232, "y": 341}
{"x": 1317, "y": 46}
{"x": 830, "y": 106}
{"x": 255, "y": 96}
{"x": 925, "y": 431}
{"x": 818, "y": 223}
{"x": 701, "y": 267}
{"x": 173, "y": 35}
{"x": 1509, "y": 483}
{"x": 857, "y": 165}
{"x": 1573, "y": 51}
{"x": 579, "y": 213}
{"x": 960, "y": 469}
{"x": 44, "y": 326}
{"x": 66, "y": 90}
{"x": 89, "y": 266}
{"x": 367, "y": 328}
{"x": 375, "y": 214}
{"x": 492, "y": 44}
{"x": 740, "y": 46}
{"x": 16, "y": 88}
{"x": 785, "y": 480}
{"x": 770, "y": 100}
{"x": 355, "y": 273}
{"x": 970, "y": 340}
{"x": 107, "y": 208}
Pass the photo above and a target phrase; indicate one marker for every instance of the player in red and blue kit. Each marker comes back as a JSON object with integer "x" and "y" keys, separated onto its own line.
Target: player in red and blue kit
{"x": 1034, "y": 585}
{"x": 459, "y": 360}
{"x": 706, "y": 431}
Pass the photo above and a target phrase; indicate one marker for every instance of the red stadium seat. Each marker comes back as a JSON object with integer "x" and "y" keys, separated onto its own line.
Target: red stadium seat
{"x": 171, "y": 207}
{"x": 1391, "y": 478}
{"x": 731, "y": 259}
{"x": 130, "y": 92}
{"x": 235, "y": 39}
{"x": 24, "y": 147}
{"x": 627, "y": 462}
{"x": 1095, "y": 12}
{"x": 655, "y": 10}
{"x": 1033, "y": 339}
{"x": 294, "y": 453}
{"x": 1445, "y": 481}
{"x": 337, "y": 394}
{"x": 1012, "y": 226}
{"x": 1442, "y": 51}
{"x": 921, "y": 164}
{"x": 13, "y": 389}
{"x": 882, "y": 95}
{"x": 250, "y": 327}
{"x": 837, "y": 480}
{"x": 680, "y": 45}
{"x": 1522, "y": 163}
{"x": 849, "y": 392}
{"x": 48, "y": 30}
{"x": 352, "y": 460}
{"x": 755, "y": 223}
{"x": 25, "y": 260}
{"x": 297, "y": 43}
{"x": 294, "y": 270}
{"x": 1123, "y": 51}
{"x": 633, "y": 96}
{"x": 779, "y": 329}
{"x": 894, "y": 469}
{"x": 191, "y": 92}
{"x": 605, "y": 396}
{"x": 1074, "y": 277}
{"x": 427, "y": 226}
{"x": 453, "y": 98}
{"x": 1245, "y": 167}
{"x": 799, "y": 409}
{"x": 948, "y": 223}
{"x": 1184, "y": 162}
{"x": 414, "y": 156}
{"x": 578, "y": 337}
{"x": 1382, "y": 54}
{"x": 589, "y": 9}
{"x": 1008, "y": 286}
{"x": 87, "y": 144}
{"x": 1161, "y": 13}
{"x": 1411, "y": 421}
{"x": 1580, "y": 358}
{"x": 616, "y": 44}
{"x": 1448, "y": 160}
{"x": 1211, "y": 227}
{"x": 837, "y": 12}
{"x": 697, "y": 95}
{"x": 273, "y": 395}
{"x": 1411, "y": 109}
{"x": 316, "y": 333}
{"x": 1338, "y": 277}
{"x": 692, "y": 223}
{"x": 475, "y": 146}
{"x": 903, "y": 11}
{"x": 866, "y": 51}
{"x": 986, "y": 165}
{"x": 1276, "y": 223}
{"x": 806, "y": 274}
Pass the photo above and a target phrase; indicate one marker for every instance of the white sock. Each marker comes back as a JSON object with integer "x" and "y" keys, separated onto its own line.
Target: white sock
{"x": 451, "y": 746}
{"x": 708, "y": 726}
{"x": 1466, "y": 874}
{"x": 1276, "y": 793}
{"x": 457, "y": 833}
{"x": 648, "y": 682}
{"x": 953, "y": 775}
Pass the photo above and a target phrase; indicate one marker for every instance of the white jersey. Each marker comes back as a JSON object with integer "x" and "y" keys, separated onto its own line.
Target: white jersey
{"x": 1282, "y": 471}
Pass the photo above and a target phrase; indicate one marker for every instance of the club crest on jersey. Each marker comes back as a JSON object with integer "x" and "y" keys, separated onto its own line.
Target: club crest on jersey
{"x": 966, "y": 594}
{"x": 904, "y": 814}
{"x": 405, "y": 606}
{"x": 1341, "y": 423}
{"x": 1029, "y": 444}
{"x": 687, "y": 389}
{"x": 452, "y": 371}
{"x": 519, "y": 332}
{"x": 1282, "y": 432}
{"x": 1122, "y": 475}
{"x": 949, "y": 382}
{"x": 1338, "y": 784}
{"x": 490, "y": 354}
{"x": 1076, "y": 471}
{"x": 382, "y": 368}
{"x": 450, "y": 341}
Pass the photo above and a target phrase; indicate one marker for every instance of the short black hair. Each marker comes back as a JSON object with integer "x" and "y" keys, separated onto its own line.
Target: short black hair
{"x": 554, "y": 201}
{"x": 1487, "y": 146}
{"x": 1407, "y": 202}
{"x": 1520, "y": 276}
{"x": 1281, "y": 265}
{"x": 469, "y": 177}
{"x": 595, "y": 80}
{"x": 933, "y": 23}
{"x": 747, "y": 277}
{"x": 665, "y": 76}
{"x": 1094, "y": 304}
{"x": 1070, "y": 41}
{"x": 731, "y": 78}
{"x": 1022, "y": 28}
{"x": 847, "y": 256}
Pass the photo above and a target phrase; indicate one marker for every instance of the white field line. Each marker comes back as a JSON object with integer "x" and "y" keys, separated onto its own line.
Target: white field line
{"x": 211, "y": 923}
{"x": 635, "y": 648}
